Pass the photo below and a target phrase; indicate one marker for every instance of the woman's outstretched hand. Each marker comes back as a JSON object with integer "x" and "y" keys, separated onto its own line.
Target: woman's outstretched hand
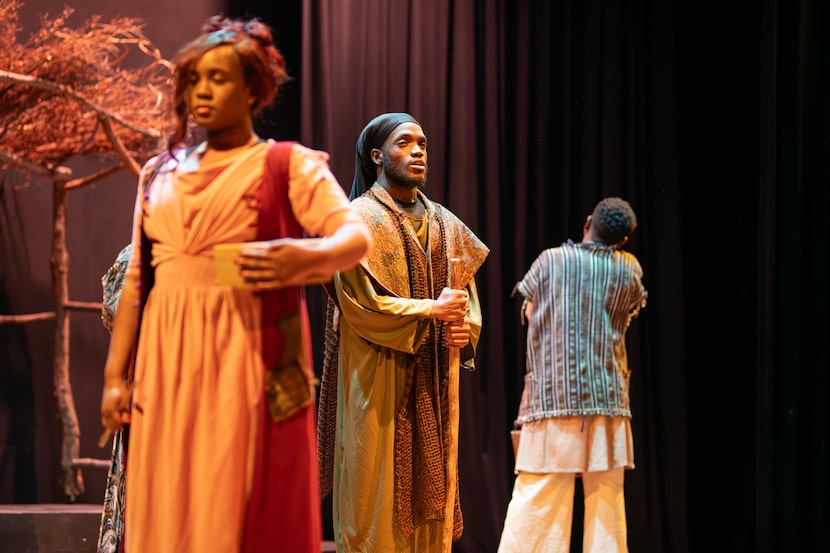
{"x": 285, "y": 262}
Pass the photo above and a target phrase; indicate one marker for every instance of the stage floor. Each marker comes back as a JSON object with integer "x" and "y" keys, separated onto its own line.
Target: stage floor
{"x": 57, "y": 528}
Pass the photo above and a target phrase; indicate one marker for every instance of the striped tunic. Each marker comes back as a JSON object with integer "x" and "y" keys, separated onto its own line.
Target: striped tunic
{"x": 584, "y": 297}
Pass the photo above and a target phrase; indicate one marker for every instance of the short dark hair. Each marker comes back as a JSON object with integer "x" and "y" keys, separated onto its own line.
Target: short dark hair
{"x": 613, "y": 219}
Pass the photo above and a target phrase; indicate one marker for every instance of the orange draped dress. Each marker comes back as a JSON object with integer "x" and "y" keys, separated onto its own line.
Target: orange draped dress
{"x": 198, "y": 402}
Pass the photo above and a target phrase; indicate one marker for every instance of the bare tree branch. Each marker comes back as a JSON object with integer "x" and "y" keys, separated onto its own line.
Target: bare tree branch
{"x": 28, "y": 318}
{"x": 119, "y": 146}
{"x": 54, "y": 173}
{"x": 57, "y": 88}
{"x": 89, "y": 179}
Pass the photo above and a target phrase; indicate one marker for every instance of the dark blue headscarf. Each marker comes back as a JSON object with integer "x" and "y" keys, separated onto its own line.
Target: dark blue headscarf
{"x": 373, "y": 136}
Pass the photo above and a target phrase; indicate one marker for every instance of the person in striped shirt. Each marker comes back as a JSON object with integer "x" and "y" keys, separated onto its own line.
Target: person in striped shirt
{"x": 575, "y": 415}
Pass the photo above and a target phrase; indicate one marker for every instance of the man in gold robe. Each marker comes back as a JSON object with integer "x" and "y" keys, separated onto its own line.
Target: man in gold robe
{"x": 398, "y": 331}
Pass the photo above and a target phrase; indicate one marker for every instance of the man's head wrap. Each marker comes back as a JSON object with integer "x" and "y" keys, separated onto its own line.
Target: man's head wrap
{"x": 373, "y": 136}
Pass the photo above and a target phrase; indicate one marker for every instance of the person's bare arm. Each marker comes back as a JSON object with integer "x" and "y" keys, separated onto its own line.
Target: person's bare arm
{"x": 528, "y": 309}
{"x": 298, "y": 262}
{"x": 115, "y": 405}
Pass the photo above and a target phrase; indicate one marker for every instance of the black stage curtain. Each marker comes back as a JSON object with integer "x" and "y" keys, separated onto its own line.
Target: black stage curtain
{"x": 792, "y": 447}
{"x": 533, "y": 112}
{"x": 712, "y": 120}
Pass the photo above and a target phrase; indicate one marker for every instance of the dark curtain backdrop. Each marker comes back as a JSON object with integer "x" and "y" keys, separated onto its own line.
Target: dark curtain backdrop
{"x": 533, "y": 111}
{"x": 792, "y": 451}
{"x": 711, "y": 118}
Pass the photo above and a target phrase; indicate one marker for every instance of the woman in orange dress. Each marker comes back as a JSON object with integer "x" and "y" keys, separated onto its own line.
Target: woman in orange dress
{"x": 221, "y": 454}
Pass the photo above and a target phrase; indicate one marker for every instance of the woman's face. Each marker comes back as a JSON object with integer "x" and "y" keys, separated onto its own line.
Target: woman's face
{"x": 218, "y": 97}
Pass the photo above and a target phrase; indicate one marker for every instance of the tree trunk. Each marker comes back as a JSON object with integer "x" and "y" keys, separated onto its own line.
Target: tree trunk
{"x": 73, "y": 481}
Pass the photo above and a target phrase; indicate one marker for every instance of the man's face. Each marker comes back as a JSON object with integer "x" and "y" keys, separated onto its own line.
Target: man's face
{"x": 404, "y": 156}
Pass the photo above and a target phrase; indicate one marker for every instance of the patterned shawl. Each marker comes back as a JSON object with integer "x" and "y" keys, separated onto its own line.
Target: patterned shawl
{"x": 421, "y": 441}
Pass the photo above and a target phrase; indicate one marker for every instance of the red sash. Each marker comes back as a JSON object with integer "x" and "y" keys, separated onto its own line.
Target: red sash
{"x": 284, "y": 511}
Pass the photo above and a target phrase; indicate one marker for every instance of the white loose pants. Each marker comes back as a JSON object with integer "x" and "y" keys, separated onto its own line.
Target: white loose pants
{"x": 540, "y": 514}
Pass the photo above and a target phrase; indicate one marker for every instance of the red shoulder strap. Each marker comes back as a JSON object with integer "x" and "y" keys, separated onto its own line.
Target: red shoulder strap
{"x": 276, "y": 220}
